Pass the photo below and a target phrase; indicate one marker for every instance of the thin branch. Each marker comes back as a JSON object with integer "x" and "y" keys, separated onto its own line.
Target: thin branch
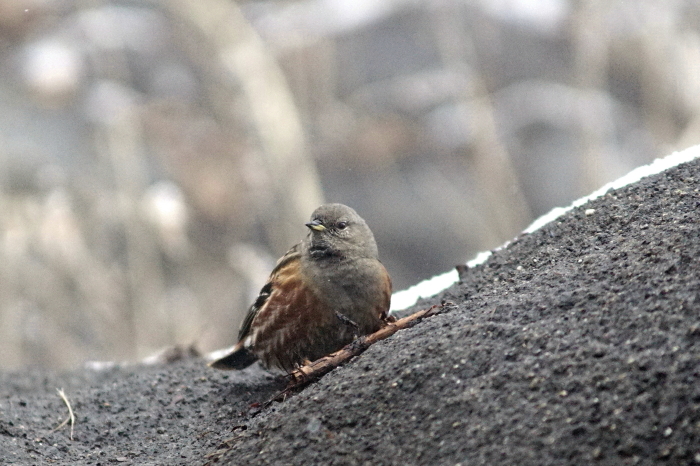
{"x": 308, "y": 373}
{"x": 71, "y": 416}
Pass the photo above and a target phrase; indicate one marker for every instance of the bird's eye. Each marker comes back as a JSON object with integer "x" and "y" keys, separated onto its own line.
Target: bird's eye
{"x": 342, "y": 225}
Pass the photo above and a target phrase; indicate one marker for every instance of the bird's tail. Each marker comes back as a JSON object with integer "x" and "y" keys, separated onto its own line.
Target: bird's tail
{"x": 240, "y": 357}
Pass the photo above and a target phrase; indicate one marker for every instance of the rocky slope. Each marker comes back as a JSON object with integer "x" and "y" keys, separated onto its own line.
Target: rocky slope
{"x": 576, "y": 343}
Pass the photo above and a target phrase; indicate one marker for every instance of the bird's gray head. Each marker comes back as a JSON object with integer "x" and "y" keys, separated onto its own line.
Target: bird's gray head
{"x": 337, "y": 230}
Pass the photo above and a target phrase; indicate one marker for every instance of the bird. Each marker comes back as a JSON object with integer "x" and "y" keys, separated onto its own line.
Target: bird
{"x": 327, "y": 290}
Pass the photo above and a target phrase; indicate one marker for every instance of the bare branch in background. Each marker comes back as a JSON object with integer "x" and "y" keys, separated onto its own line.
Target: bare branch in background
{"x": 269, "y": 105}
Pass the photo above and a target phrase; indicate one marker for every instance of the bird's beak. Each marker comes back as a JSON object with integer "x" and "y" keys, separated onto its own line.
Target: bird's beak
{"x": 315, "y": 225}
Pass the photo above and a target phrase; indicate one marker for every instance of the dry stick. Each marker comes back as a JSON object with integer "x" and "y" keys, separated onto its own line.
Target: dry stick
{"x": 70, "y": 417}
{"x": 313, "y": 371}
{"x": 306, "y": 374}
{"x": 224, "y": 447}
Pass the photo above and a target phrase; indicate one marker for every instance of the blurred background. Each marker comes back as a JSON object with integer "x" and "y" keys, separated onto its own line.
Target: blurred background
{"x": 157, "y": 157}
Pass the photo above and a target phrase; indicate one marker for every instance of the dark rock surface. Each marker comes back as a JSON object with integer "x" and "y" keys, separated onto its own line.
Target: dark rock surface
{"x": 577, "y": 344}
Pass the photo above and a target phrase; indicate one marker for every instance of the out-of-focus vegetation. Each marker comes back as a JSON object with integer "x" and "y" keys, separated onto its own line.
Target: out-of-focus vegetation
{"x": 157, "y": 156}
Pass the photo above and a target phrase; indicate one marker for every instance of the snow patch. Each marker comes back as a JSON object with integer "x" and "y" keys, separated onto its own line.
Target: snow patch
{"x": 432, "y": 286}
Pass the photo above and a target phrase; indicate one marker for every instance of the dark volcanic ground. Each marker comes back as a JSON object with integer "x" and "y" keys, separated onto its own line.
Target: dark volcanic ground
{"x": 577, "y": 344}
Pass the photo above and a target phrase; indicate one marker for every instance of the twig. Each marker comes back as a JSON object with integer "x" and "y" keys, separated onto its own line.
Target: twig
{"x": 308, "y": 373}
{"x": 71, "y": 416}
{"x": 224, "y": 447}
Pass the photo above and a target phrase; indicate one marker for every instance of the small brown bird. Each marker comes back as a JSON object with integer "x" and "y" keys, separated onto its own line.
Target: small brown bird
{"x": 323, "y": 292}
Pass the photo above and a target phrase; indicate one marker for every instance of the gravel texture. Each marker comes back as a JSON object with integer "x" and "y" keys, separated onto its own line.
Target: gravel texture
{"x": 577, "y": 344}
